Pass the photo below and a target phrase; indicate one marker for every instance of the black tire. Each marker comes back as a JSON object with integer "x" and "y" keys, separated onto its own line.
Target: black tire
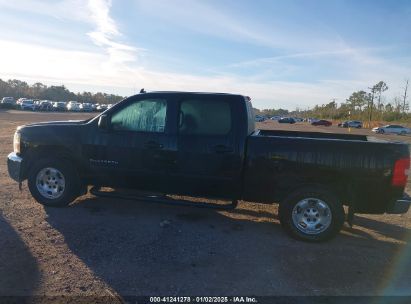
{"x": 286, "y": 214}
{"x": 72, "y": 185}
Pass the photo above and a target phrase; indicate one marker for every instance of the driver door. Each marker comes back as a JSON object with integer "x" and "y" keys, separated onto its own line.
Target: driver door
{"x": 139, "y": 148}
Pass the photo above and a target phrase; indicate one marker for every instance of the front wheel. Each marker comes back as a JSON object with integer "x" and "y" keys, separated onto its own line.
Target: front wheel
{"x": 53, "y": 182}
{"x": 311, "y": 214}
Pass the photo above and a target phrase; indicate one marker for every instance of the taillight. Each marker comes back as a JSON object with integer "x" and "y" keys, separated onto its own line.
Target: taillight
{"x": 400, "y": 174}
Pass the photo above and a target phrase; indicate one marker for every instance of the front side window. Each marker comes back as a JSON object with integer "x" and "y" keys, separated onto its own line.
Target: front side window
{"x": 205, "y": 117}
{"x": 145, "y": 116}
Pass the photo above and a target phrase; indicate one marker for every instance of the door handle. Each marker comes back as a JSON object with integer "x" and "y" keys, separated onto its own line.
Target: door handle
{"x": 153, "y": 145}
{"x": 222, "y": 149}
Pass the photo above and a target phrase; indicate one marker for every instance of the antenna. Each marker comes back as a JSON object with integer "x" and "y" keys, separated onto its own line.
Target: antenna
{"x": 142, "y": 91}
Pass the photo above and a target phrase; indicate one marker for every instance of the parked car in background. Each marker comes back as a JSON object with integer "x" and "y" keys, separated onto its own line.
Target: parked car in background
{"x": 73, "y": 106}
{"x": 59, "y": 106}
{"x": 45, "y": 105}
{"x": 86, "y": 107}
{"x": 28, "y": 104}
{"x": 343, "y": 124}
{"x": 20, "y": 100}
{"x": 392, "y": 129}
{"x": 101, "y": 107}
{"x": 298, "y": 119}
{"x": 289, "y": 120}
{"x": 8, "y": 100}
{"x": 322, "y": 122}
{"x": 259, "y": 118}
{"x": 275, "y": 118}
{"x": 350, "y": 124}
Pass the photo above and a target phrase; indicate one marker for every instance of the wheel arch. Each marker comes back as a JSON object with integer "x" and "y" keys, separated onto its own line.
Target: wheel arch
{"x": 51, "y": 151}
{"x": 340, "y": 190}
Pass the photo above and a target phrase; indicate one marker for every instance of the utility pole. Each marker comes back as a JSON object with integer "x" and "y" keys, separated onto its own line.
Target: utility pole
{"x": 405, "y": 96}
{"x": 371, "y": 105}
{"x": 334, "y": 100}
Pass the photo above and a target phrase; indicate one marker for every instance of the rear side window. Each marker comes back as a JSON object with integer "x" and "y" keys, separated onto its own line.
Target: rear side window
{"x": 144, "y": 116}
{"x": 204, "y": 117}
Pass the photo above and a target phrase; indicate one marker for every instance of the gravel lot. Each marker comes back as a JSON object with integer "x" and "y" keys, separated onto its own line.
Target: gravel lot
{"x": 117, "y": 248}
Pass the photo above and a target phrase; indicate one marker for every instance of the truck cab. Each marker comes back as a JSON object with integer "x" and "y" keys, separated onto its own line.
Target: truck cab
{"x": 170, "y": 142}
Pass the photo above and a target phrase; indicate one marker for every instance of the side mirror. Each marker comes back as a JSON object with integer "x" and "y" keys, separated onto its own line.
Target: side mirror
{"x": 103, "y": 122}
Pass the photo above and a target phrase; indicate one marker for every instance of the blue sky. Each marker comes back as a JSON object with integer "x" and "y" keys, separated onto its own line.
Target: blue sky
{"x": 281, "y": 53}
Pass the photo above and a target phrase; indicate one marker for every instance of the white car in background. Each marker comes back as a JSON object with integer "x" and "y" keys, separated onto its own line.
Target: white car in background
{"x": 277, "y": 117}
{"x": 392, "y": 129}
{"x": 86, "y": 107}
{"x": 8, "y": 100}
{"x": 73, "y": 106}
{"x": 28, "y": 104}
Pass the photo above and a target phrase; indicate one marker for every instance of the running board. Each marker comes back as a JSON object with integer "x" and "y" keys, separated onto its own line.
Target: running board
{"x": 163, "y": 200}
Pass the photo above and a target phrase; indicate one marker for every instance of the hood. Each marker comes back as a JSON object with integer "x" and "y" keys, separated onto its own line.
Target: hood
{"x": 53, "y": 123}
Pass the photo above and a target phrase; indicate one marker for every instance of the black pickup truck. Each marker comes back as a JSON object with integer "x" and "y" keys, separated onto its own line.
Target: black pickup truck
{"x": 206, "y": 145}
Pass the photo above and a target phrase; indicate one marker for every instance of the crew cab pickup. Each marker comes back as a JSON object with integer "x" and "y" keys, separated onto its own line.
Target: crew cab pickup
{"x": 206, "y": 145}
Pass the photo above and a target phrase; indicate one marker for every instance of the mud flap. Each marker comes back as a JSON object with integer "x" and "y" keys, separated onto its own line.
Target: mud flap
{"x": 350, "y": 216}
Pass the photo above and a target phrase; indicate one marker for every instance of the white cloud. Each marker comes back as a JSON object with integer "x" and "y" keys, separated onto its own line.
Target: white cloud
{"x": 347, "y": 52}
{"x": 212, "y": 18}
{"x": 100, "y": 14}
{"x": 67, "y": 9}
{"x": 106, "y": 32}
{"x": 92, "y": 12}
{"x": 87, "y": 70}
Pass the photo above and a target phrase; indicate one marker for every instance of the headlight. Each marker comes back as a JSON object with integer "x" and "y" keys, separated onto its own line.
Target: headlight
{"x": 16, "y": 142}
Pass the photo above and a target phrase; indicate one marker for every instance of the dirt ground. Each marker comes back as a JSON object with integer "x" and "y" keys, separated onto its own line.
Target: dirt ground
{"x": 114, "y": 248}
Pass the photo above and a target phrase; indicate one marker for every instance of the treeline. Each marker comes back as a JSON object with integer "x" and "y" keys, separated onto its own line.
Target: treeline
{"x": 272, "y": 112}
{"x": 365, "y": 105}
{"x": 18, "y": 89}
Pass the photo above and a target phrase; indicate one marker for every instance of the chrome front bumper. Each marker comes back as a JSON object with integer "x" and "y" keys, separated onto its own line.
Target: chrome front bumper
{"x": 14, "y": 166}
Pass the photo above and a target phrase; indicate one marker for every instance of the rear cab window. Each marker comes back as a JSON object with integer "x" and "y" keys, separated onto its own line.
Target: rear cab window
{"x": 205, "y": 117}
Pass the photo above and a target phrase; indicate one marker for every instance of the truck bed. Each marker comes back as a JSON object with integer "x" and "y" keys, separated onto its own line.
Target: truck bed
{"x": 280, "y": 160}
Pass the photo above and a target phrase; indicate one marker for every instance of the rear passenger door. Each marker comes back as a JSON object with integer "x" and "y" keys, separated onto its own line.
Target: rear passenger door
{"x": 209, "y": 161}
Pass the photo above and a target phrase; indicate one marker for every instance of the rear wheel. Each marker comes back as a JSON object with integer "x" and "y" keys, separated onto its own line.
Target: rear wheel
{"x": 311, "y": 214}
{"x": 53, "y": 182}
